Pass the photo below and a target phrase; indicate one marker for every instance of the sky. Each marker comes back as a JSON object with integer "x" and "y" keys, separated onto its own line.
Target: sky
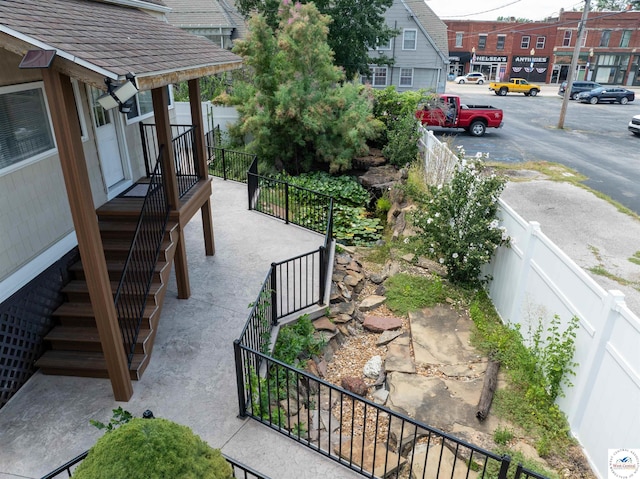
{"x": 492, "y": 9}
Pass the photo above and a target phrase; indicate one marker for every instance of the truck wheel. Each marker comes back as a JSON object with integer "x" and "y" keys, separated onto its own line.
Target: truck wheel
{"x": 503, "y": 91}
{"x": 594, "y": 100}
{"x": 477, "y": 128}
{"x": 533, "y": 92}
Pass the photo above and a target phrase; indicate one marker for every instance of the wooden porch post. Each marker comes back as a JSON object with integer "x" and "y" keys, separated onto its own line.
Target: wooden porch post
{"x": 74, "y": 169}
{"x": 163, "y": 132}
{"x": 202, "y": 156}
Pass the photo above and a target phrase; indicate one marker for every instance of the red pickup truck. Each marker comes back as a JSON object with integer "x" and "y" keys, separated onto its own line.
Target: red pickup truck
{"x": 447, "y": 111}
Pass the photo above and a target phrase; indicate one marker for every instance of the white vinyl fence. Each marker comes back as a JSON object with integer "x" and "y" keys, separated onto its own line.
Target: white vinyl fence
{"x": 212, "y": 115}
{"x": 534, "y": 279}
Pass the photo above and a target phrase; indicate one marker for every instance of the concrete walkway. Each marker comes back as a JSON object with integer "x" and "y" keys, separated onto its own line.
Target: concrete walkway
{"x": 191, "y": 378}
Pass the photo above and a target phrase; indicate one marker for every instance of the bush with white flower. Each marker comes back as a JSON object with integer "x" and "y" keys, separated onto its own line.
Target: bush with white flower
{"x": 457, "y": 221}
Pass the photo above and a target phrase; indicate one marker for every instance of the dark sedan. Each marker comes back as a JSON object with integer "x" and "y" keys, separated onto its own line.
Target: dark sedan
{"x": 612, "y": 94}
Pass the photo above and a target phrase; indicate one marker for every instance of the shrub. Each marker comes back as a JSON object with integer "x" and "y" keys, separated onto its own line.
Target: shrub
{"x": 457, "y": 222}
{"x": 153, "y": 449}
{"x": 402, "y": 146}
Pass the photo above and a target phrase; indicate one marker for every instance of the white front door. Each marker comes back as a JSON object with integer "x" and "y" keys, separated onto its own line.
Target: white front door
{"x": 107, "y": 141}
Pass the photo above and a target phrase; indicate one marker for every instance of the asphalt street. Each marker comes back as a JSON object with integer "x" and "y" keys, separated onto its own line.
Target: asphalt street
{"x": 594, "y": 141}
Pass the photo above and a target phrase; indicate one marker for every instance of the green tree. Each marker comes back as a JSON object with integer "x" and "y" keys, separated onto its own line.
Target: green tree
{"x": 299, "y": 110}
{"x": 357, "y": 26}
{"x": 616, "y": 5}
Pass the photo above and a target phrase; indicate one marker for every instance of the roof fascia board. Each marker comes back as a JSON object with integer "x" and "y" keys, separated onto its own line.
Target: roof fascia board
{"x": 426, "y": 34}
{"x": 151, "y": 80}
{"x": 59, "y": 52}
{"x": 139, "y": 4}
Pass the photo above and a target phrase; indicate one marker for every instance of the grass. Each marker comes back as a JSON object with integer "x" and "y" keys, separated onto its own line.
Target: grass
{"x": 600, "y": 270}
{"x": 406, "y": 292}
{"x": 635, "y": 259}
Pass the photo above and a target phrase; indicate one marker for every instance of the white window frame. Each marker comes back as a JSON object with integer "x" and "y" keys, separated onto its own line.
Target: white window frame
{"x": 404, "y": 38}
{"x": 400, "y": 84}
{"x": 541, "y": 41}
{"x": 459, "y": 37}
{"x": 139, "y": 118}
{"x": 482, "y": 41}
{"x": 373, "y": 76}
{"x": 504, "y": 42}
{"x": 566, "y": 38}
{"x": 40, "y": 156}
{"x": 525, "y": 41}
{"x": 81, "y": 118}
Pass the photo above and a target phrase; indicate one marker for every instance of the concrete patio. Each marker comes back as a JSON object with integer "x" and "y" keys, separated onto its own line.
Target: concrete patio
{"x": 191, "y": 378}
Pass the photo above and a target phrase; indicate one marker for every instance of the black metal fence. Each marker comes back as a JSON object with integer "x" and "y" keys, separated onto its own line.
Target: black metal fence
{"x": 229, "y": 164}
{"x": 293, "y": 204}
{"x": 137, "y": 274}
{"x": 184, "y": 151}
{"x": 240, "y": 471}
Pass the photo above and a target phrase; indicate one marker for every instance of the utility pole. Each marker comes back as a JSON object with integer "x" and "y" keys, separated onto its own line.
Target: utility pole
{"x": 574, "y": 63}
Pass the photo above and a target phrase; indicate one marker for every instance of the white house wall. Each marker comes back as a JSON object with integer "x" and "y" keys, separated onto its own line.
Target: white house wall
{"x": 429, "y": 67}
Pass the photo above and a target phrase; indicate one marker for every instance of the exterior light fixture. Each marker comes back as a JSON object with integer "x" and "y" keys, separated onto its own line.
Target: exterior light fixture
{"x": 119, "y": 96}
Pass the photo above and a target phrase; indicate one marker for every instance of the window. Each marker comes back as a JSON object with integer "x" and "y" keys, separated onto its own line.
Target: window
{"x": 625, "y": 38}
{"x": 604, "y": 39}
{"x": 379, "y": 76}
{"x": 406, "y": 77}
{"x": 526, "y": 40}
{"x": 500, "y": 42}
{"x": 459, "y": 39}
{"x": 482, "y": 42}
{"x": 566, "y": 41}
{"x": 143, "y": 105}
{"x": 584, "y": 39}
{"x": 540, "y": 42}
{"x": 25, "y": 127}
{"x": 409, "y": 40}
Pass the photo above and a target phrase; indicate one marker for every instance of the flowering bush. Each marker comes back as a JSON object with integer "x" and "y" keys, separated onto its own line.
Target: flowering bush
{"x": 457, "y": 221}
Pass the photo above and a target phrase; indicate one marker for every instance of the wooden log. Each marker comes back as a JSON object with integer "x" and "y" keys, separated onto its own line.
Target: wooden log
{"x": 488, "y": 389}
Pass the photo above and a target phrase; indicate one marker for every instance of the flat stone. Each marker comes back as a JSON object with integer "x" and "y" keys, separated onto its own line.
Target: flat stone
{"x": 353, "y": 278}
{"x": 354, "y": 266}
{"x": 344, "y": 291}
{"x": 337, "y": 277}
{"x": 344, "y": 330}
{"x": 439, "y": 461}
{"x": 408, "y": 257}
{"x": 440, "y": 336}
{"x": 342, "y": 308}
{"x": 373, "y": 458}
{"x": 378, "y": 324}
{"x": 377, "y": 278}
{"x": 341, "y": 318}
{"x": 343, "y": 259}
{"x": 373, "y": 367}
{"x": 464, "y": 370}
{"x": 324, "y": 324}
{"x": 371, "y": 302}
{"x": 380, "y": 396}
{"x": 399, "y": 358}
{"x": 322, "y": 368}
{"x": 387, "y": 336}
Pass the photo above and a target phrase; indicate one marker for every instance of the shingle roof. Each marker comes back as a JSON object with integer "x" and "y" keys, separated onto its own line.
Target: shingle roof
{"x": 197, "y": 13}
{"x": 435, "y": 27}
{"x": 109, "y": 38}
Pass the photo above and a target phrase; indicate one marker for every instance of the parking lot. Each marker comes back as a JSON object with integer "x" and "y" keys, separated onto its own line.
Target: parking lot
{"x": 594, "y": 141}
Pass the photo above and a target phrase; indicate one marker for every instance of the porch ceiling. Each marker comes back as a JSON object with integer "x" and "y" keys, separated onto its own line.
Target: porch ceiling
{"x": 95, "y": 40}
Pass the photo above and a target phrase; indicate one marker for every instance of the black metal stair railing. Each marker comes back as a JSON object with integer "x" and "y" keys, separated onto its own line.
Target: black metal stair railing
{"x": 184, "y": 152}
{"x": 138, "y": 271}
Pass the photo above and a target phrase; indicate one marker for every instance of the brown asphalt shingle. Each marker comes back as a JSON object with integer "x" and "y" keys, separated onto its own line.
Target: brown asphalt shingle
{"x": 115, "y": 38}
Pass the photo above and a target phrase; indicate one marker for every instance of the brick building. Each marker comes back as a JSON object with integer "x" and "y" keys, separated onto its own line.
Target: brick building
{"x": 542, "y": 51}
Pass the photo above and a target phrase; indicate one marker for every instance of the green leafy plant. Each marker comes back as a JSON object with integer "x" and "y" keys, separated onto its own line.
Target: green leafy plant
{"x": 297, "y": 341}
{"x": 403, "y": 135}
{"x": 502, "y": 436}
{"x": 535, "y": 373}
{"x": 153, "y": 449}
{"x": 389, "y": 105}
{"x": 457, "y": 222}
{"x": 120, "y": 417}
